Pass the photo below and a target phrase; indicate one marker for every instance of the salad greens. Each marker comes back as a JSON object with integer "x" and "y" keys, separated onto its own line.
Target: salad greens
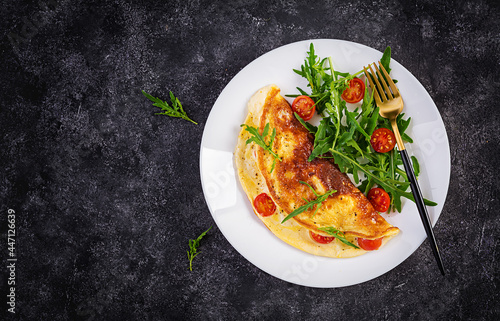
{"x": 344, "y": 135}
{"x": 193, "y": 248}
{"x": 260, "y": 140}
{"x": 173, "y": 110}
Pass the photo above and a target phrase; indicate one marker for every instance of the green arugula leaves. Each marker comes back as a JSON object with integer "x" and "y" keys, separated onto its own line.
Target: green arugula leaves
{"x": 173, "y": 110}
{"x": 386, "y": 59}
{"x": 193, "y": 248}
{"x": 261, "y": 140}
{"x": 338, "y": 235}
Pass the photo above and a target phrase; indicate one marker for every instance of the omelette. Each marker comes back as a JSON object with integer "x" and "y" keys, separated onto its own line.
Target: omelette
{"x": 286, "y": 177}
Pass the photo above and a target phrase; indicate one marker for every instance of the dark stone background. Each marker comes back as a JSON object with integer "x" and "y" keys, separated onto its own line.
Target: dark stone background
{"x": 107, "y": 194}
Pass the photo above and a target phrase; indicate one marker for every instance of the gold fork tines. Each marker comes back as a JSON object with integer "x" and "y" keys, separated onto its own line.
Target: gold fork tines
{"x": 389, "y": 80}
{"x": 388, "y": 100}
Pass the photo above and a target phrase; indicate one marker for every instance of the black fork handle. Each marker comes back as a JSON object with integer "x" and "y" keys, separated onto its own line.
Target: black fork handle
{"x": 422, "y": 209}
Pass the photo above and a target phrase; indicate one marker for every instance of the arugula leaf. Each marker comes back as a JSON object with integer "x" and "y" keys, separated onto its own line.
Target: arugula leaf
{"x": 317, "y": 78}
{"x": 173, "y": 110}
{"x": 311, "y": 128}
{"x": 311, "y": 204}
{"x": 338, "y": 234}
{"x": 260, "y": 140}
{"x": 386, "y": 59}
{"x": 324, "y": 138}
{"x": 193, "y": 248}
{"x": 416, "y": 165}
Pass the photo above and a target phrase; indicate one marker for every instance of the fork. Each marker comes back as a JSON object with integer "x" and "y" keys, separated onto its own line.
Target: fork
{"x": 390, "y": 105}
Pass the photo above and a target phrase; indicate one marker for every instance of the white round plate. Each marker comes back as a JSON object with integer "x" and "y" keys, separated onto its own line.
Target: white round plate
{"x": 232, "y": 211}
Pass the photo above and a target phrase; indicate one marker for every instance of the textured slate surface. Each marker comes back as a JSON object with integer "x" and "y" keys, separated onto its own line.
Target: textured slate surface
{"x": 107, "y": 194}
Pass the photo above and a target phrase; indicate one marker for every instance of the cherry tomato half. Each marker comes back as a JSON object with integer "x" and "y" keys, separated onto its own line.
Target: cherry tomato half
{"x": 379, "y": 199}
{"x": 320, "y": 238}
{"x": 355, "y": 91}
{"x": 383, "y": 140}
{"x": 264, "y": 205}
{"x": 304, "y": 106}
{"x": 370, "y": 245}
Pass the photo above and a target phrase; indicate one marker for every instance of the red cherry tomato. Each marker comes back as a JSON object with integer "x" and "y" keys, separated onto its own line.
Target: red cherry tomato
{"x": 304, "y": 106}
{"x": 383, "y": 140}
{"x": 355, "y": 91}
{"x": 379, "y": 199}
{"x": 320, "y": 238}
{"x": 370, "y": 245}
{"x": 264, "y": 205}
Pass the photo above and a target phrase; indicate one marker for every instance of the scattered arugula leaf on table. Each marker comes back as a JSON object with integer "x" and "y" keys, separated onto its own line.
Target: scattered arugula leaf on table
{"x": 193, "y": 248}
{"x": 173, "y": 110}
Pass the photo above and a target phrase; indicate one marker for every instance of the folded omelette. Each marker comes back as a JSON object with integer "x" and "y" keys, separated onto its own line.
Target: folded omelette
{"x": 346, "y": 209}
